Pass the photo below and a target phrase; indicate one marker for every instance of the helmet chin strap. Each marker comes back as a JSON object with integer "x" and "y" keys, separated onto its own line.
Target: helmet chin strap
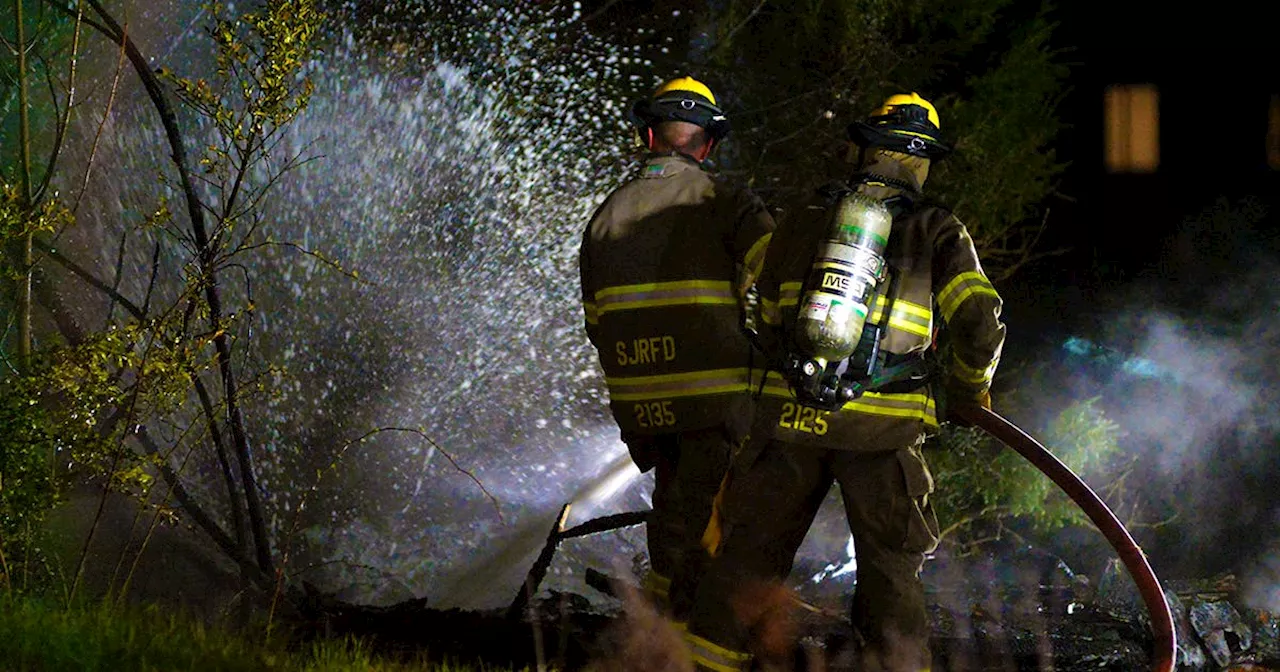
{"x": 706, "y": 151}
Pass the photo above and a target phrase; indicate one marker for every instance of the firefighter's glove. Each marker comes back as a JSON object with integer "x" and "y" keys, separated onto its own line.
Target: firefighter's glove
{"x": 983, "y": 400}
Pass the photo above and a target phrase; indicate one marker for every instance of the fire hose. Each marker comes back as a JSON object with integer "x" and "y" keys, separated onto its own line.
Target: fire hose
{"x": 1165, "y": 640}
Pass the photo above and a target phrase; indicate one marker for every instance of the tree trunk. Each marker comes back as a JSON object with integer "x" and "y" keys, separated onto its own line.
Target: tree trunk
{"x": 24, "y": 197}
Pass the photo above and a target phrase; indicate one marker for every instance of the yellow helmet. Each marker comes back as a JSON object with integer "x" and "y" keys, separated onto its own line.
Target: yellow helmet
{"x": 905, "y": 122}
{"x": 681, "y": 99}
{"x": 687, "y": 84}
{"x": 912, "y": 98}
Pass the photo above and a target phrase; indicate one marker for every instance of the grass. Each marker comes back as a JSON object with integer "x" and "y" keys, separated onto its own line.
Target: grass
{"x": 36, "y": 635}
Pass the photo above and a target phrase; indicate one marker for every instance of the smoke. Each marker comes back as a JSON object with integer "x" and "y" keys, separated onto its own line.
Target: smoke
{"x": 642, "y": 640}
{"x": 768, "y": 611}
{"x": 1194, "y": 387}
{"x": 1206, "y": 388}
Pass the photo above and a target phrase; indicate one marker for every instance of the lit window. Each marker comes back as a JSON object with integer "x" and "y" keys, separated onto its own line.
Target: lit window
{"x": 1132, "y": 128}
{"x": 1273, "y": 134}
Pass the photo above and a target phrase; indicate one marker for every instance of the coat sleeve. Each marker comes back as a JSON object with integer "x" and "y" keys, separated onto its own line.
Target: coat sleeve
{"x": 589, "y": 314}
{"x": 776, "y": 269}
{"x": 752, "y": 229}
{"x": 970, "y": 309}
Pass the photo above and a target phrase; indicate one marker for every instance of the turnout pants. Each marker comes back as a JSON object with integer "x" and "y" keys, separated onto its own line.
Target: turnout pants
{"x": 768, "y": 508}
{"x": 689, "y": 467}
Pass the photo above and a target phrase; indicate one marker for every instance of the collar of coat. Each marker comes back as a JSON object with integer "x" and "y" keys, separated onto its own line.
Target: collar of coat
{"x": 883, "y": 164}
{"x": 668, "y": 163}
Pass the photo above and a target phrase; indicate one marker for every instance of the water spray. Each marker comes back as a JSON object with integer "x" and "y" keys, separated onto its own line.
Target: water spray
{"x": 1166, "y": 643}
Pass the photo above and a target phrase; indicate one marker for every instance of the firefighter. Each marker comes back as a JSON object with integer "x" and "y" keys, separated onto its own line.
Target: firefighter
{"x": 666, "y": 264}
{"x": 870, "y": 445}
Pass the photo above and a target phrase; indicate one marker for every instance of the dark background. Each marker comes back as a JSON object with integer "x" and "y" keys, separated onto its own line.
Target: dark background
{"x": 1216, "y": 74}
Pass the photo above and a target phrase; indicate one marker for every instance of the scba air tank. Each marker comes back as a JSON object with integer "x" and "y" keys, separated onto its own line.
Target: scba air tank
{"x": 847, "y": 268}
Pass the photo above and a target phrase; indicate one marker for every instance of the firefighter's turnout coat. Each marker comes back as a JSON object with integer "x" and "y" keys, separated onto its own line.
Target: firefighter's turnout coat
{"x": 665, "y": 263}
{"x": 871, "y": 446}
{"x": 935, "y": 277}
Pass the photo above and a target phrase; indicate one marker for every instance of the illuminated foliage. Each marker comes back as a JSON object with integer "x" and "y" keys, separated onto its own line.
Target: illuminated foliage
{"x": 17, "y": 222}
{"x": 260, "y": 60}
{"x": 985, "y": 489}
{"x": 124, "y": 404}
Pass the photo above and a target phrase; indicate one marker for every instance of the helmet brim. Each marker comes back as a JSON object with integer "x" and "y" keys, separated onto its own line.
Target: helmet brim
{"x": 915, "y": 139}
{"x": 687, "y": 107}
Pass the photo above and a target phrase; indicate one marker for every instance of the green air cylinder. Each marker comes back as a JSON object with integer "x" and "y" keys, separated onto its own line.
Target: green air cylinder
{"x": 847, "y": 268}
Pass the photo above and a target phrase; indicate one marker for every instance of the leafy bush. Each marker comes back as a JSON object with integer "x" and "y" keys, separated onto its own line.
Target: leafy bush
{"x": 65, "y": 418}
{"x": 984, "y": 488}
{"x": 26, "y": 486}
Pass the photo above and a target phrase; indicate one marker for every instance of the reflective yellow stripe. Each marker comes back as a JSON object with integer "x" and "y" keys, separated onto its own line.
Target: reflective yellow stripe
{"x": 755, "y": 255}
{"x": 657, "y": 294}
{"x": 914, "y": 405}
{"x": 961, "y": 288}
{"x": 659, "y": 303}
{"x": 906, "y": 307}
{"x": 874, "y": 403}
{"x": 770, "y": 312}
{"x": 969, "y": 374}
{"x": 775, "y": 386}
{"x": 674, "y": 385}
{"x": 968, "y": 291}
{"x": 926, "y": 136}
{"x": 657, "y": 581}
{"x": 910, "y": 317}
{"x": 704, "y": 663}
{"x": 712, "y": 656}
{"x": 771, "y": 307}
{"x": 960, "y": 280}
{"x": 663, "y": 286}
{"x": 589, "y": 309}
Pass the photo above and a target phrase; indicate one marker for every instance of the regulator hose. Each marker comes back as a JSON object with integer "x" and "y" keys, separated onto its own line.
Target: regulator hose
{"x": 1165, "y": 644}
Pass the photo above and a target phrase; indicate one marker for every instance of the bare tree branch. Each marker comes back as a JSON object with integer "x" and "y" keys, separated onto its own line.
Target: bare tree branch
{"x": 24, "y": 195}
{"x": 309, "y": 252}
{"x": 206, "y": 259}
{"x": 106, "y": 113}
{"x": 93, "y": 280}
{"x": 734, "y": 31}
{"x": 202, "y": 519}
{"x": 115, "y": 281}
{"x": 151, "y": 283}
{"x": 422, "y": 435}
{"x": 224, "y": 462}
{"x": 64, "y": 120}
